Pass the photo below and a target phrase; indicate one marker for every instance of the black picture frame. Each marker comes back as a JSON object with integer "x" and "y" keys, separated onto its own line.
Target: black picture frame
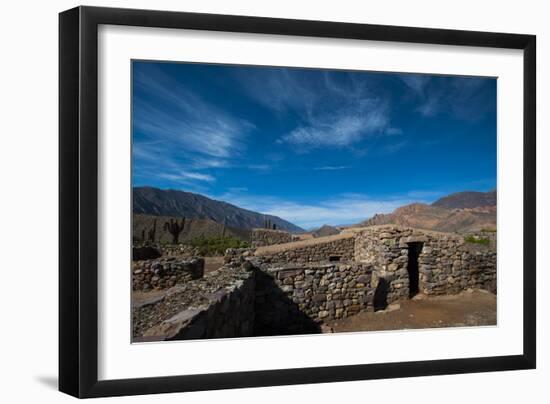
{"x": 78, "y": 201}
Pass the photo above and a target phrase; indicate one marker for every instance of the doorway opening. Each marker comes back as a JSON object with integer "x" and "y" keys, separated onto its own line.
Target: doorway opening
{"x": 412, "y": 267}
{"x": 380, "y": 299}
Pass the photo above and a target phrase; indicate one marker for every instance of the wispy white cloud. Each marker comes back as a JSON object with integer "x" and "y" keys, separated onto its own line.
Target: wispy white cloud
{"x": 395, "y": 146}
{"x": 346, "y": 127}
{"x": 430, "y": 106}
{"x": 209, "y": 162}
{"x": 423, "y": 195}
{"x": 337, "y": 210}
{"x": 259, "y": 167}
{"x": 186, "y": 176}
{"x": 180, "y": 133}
{"x": 461, "y": 97}
{"x": 429, "y": 98}
{"x": 394, "y": 131}
{"x": 279, "y": 90}
{"x": 331, "y": 168}
{"x": 237, "y": 189}
{"x": 331, "y": 112}
{"x": 416, "y": 82}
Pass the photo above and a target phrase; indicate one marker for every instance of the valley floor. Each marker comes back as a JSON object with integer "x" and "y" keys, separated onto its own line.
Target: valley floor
{"x": 469, "y": 308}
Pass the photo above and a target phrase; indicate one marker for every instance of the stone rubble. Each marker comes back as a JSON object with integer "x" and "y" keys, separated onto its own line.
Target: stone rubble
{"x": 283, "y": 290}
{"x": 165, "y": 272}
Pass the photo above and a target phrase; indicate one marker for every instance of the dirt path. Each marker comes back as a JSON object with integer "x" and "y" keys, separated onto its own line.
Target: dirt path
{"x": 474, "y": 308}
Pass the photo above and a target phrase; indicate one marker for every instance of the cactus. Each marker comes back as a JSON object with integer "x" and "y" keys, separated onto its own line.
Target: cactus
{"x": 152, "y": 232}
{"x": 175, "y": 229}
{"x": 274, "y": 226}
{"x": 223, "y": 228}
{"x": 143, "y": 234}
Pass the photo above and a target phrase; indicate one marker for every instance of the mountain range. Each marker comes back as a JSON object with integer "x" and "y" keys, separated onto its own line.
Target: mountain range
{"x": 158, "y": 202}
{"x": 467, "y": 200}
{"x": 460, "y": 212}
{"x": 142, "y": 225}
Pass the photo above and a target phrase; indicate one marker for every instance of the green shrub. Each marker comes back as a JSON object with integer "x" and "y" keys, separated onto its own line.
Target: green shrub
{"x": 476, "y": 240}
{"x": 488, "y": 230}
{"x": 217, "y": 245}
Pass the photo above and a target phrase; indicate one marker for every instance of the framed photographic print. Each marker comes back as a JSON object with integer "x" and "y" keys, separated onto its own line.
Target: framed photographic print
{"x": 306, "y": 201}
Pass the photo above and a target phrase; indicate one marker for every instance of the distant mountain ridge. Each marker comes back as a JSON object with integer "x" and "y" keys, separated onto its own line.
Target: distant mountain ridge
{"x": 461, "y": 212}
{"x": 468, "y": 199}
{"x": 193, "y": 229}
{"x": 325, "y": 230}
{"x": 158, "y": 202}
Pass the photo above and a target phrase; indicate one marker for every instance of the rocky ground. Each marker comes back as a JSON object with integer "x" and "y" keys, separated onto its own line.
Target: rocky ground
{"x": 212, "y": 263}
{"x": 469, "y": 308}
{"x": 151, "y": 308}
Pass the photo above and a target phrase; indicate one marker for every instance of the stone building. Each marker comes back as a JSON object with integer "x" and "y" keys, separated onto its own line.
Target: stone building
{"x": 292, "y": 288}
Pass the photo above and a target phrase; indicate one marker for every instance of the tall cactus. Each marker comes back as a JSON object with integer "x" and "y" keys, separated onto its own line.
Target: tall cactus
{"x": 223, "y": 228}
{"x": 152, "y": 232}
{"x": 174, "y": 228}
{"x": 143, "y": 235}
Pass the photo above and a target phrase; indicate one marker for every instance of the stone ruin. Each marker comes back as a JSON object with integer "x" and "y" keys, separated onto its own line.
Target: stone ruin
{"x": 166, "y": 272}
{"x": 294, "y": 288}
{"x": 265, "y": 237}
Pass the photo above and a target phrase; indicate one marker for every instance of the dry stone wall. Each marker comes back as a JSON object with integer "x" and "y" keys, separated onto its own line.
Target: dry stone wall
{"x": 220, "y": 305}
{"x": 165, "y": 272}
{"x": 178, "y": 250}
{"x": 336, "y": 248}
{"x": 265, "y": 237}
{"x": 295, "y": 299}
{"x": 145, "y": 252}
{"x": 295, "y": 288}
{"x": 446, "y": 263}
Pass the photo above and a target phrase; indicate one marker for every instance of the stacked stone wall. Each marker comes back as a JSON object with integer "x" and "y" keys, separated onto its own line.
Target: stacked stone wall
{"x": 294, "y": 288}
{"x": 265, "y": 237}
{"x": 447, "y": 264}
{"x": 165, "y": 272}
{"x": 178, "y": 250}
{"x": 220, "y": 305}
{"x": 337, "y": 248}
{"x": 297, "y": 298}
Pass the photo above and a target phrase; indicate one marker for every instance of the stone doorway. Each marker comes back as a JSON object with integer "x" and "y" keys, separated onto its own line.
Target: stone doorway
{"x": 415, "y": 249}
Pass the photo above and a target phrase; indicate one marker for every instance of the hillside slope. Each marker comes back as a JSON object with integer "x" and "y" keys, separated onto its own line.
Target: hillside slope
{"x": 158, "y": 202}
{"x": 467, "y": 200}
{"x": 194, "y": 228}
{"x": 461, "y": 212}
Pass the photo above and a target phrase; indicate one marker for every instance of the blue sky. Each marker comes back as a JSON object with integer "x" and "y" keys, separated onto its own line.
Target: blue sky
{"x": 309, "y": 145}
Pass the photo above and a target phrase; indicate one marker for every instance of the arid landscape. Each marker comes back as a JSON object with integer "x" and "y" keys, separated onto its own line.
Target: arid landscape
{"x": 274, "y": 201}
{"x": 331, "y": 279}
